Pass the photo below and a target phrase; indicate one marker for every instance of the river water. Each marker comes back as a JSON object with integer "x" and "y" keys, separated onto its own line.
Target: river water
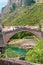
{"x": 17, "y": 50}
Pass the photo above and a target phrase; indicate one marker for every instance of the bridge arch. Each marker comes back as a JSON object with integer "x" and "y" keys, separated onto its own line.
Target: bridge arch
{"x": 9, "y": 34}
{"x": 23, "y": 34}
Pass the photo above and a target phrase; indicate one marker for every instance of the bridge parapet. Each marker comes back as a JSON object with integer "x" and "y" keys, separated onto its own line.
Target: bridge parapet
{"x": 15, "y": 62}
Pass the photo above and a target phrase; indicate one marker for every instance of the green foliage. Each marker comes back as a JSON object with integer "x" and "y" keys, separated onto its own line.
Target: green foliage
{"x": 23, "y": 34}
{"x": 36, "y": 54}
{"x": 14, "y": 6}
{"x": 29, "y": 15}
{"x": 29, "y": 2}
{"x": 40, "y": 26}
{"x": 13, "y": 51}
{"x": 2, "y": 56}
{"x": 9, "y": 53}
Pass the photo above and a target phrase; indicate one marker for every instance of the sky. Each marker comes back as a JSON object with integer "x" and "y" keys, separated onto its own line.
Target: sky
{"x": 2, "y": 3}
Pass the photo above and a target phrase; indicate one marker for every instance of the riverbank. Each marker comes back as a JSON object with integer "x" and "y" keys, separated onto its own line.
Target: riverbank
{"x": 23, "y": 43}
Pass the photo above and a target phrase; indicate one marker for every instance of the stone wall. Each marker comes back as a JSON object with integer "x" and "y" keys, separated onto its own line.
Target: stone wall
{"x": 15, "y": 62}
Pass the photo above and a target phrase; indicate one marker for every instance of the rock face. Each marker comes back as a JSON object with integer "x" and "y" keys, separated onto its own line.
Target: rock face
{"x": 18, "y": 2}
{"x": 7, "y": 9}
{"x": 0, "y": 15}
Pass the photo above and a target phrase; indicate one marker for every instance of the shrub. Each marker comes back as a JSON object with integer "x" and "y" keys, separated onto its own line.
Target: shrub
{"x": 14, "y": 6}
{"x": 36, "y": 54}
{"x": 9, "y": 53}
{"x": 29, "y": 2}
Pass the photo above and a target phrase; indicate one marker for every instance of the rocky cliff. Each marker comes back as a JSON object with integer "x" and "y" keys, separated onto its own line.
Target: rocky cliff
{"x": 6, "y": 9}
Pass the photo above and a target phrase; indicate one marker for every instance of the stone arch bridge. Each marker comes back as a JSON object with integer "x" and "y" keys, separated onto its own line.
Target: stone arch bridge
{"x": 11, "y": 32}
{"x": 7, "y": 32}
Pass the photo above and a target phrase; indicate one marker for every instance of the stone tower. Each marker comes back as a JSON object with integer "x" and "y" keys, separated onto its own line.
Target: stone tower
{"x": 2, "y": 41}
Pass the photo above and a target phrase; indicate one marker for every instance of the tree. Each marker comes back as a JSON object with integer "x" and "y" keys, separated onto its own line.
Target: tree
{"x": 40, "y": 26}
{"x": 36, "y": 54}
{"x": 14, "y": 6}
{"x": 29, "y": 2}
